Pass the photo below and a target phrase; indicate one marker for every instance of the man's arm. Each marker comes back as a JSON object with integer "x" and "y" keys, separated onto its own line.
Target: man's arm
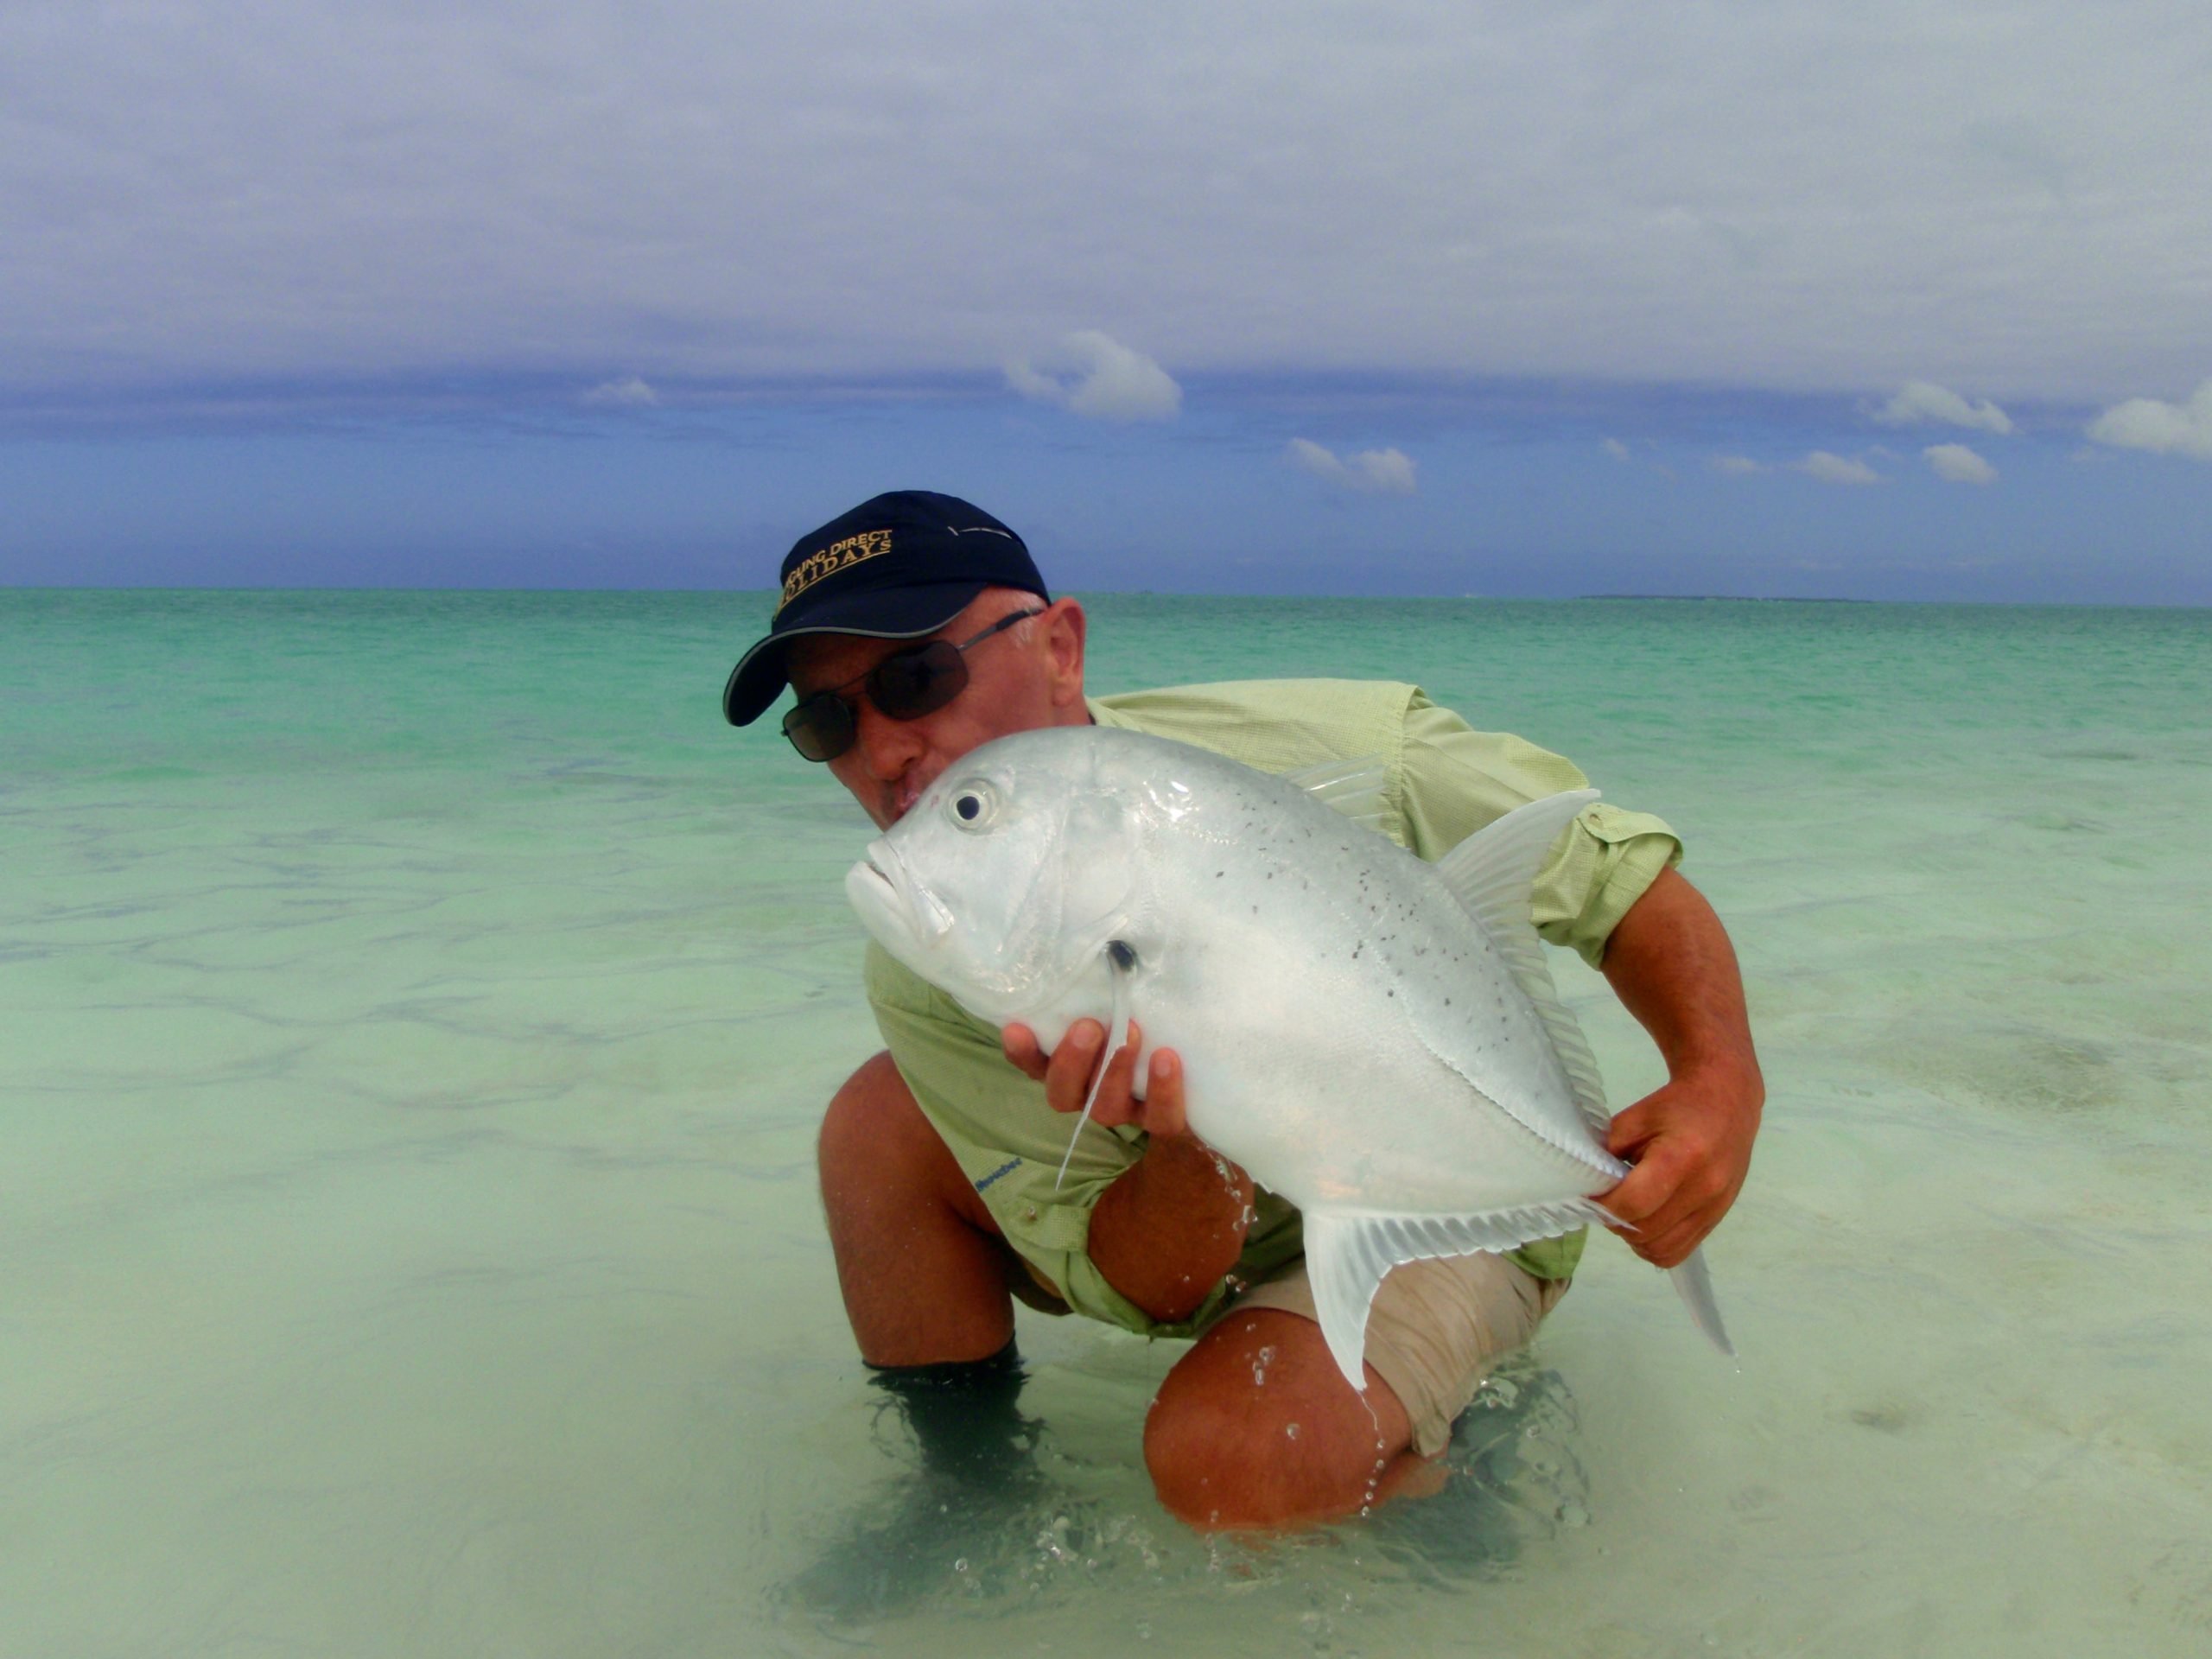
{"x": 1173, "y": 1222}
{"x": 1669, "y": 962}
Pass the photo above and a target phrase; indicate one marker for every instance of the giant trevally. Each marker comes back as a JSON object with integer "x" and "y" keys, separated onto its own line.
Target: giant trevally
{"x": 1374, "y": 1037}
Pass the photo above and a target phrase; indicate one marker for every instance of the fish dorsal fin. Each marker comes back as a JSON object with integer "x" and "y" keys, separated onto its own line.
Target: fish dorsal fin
{"x": 1347, "y": 1254}
{"x": 1353, "y": 787}
{"x": 1491, "y": 872}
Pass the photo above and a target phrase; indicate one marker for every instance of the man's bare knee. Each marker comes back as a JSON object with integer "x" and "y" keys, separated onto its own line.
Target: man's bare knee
{"x": 1255, "y": 1428}
{"x": 1227, "y": 1463}
{"x": 877, "y": 1150}
{"x": 872, "y": 1115}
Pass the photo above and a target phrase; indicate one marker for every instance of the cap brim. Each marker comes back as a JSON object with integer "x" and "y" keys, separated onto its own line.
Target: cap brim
{"x": 896, "y": 613}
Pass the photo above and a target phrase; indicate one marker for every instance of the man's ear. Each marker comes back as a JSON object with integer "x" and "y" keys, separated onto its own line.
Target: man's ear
{"x": 1064, "y": 625}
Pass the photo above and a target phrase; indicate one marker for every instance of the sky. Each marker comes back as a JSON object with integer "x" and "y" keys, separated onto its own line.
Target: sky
{"x": 1878, "y": 301}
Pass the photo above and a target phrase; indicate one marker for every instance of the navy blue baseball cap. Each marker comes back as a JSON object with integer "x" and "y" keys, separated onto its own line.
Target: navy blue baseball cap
{"x": 899, "y": 567}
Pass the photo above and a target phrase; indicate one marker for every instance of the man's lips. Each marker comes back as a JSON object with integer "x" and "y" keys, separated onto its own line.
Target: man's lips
{"x": 900, "y": 800}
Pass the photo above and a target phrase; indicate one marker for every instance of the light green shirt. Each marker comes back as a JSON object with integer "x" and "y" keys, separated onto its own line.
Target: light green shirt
{"x": 1445, "y": 781}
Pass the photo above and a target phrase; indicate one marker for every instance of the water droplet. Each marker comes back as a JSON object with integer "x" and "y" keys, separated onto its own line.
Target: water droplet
{"x": 1290, "y": 1430}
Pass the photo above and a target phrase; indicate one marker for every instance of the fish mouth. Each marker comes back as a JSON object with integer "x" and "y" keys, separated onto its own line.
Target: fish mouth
{"x": 893, "y": 906}
{"x": 874, "y": 893}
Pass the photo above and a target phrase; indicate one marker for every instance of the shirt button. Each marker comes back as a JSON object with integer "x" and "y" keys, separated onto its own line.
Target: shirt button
{"x": 1029, "y": 1213}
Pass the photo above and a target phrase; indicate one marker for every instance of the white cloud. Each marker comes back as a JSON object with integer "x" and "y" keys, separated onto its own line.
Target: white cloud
{"x": 1095, "y": 375}
{"x": 1835, "y": 469}
{"x": 1735, "y": 465}
{"x": 1616, "y": 450}
{"x": 2163, "y": 428}
{"x": 1922, "y": 401}
{"x": 1956, "y": 464}
{"x": 630, "y": 393}
{"x": 1389, "y": 472}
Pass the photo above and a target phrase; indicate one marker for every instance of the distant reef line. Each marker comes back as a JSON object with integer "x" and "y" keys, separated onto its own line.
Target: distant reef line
{"x": 1740, "y": 598}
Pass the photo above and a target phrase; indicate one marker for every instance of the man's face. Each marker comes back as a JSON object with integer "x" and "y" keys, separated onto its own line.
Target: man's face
{"x": 1013, "y": 686}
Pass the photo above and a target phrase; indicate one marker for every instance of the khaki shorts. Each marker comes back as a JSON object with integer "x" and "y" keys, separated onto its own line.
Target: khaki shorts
{"x": 1435, "y": 1328}
{"x": 1433, "y": 1332}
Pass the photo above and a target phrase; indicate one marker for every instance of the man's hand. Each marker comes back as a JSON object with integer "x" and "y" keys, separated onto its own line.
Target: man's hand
{"x": 1691, "y": 1144}
{"x": 1173, "y": 1222}
{"x": 1067, "y": 1075}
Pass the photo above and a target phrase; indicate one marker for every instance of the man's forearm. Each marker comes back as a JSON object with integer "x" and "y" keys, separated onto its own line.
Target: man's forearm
{"x": 1168, "y": 1229}
{"x": 1670, "y": 963}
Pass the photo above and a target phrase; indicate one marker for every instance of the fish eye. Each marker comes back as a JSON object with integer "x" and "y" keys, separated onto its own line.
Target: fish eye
{"x": 972, "y": 805}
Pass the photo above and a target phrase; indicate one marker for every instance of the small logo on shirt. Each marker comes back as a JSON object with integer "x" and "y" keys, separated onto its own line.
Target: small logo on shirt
{"x": 1006, "y": 1168}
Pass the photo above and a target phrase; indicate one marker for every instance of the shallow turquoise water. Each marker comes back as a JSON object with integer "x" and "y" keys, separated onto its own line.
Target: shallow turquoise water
{"x": 414, "y": 1009}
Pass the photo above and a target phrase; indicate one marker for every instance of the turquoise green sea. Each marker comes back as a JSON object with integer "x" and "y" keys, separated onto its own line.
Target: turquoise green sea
{"x": 415, "y": 1010}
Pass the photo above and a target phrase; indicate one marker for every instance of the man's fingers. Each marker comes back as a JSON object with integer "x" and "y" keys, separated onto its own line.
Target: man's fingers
{"x": 1665, "y": 1211}
{"x": 1642, "y": 1194}
{"x": 1652, "y": 1202}
{"x": 1067, "y": 1077}
{"x": 1670, "y": 1247}
{"x": 1163, "y": 1101}
{"x": 1629, "y": 1131}
{"x": 1117, "y": 1104}
{"x": 1023, "y": 1051}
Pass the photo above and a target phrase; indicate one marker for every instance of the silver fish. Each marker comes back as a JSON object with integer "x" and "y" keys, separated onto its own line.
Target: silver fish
{"x": 1374, "y": 1038}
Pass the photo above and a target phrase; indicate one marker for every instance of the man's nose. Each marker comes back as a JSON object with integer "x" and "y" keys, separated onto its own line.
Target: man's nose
{"x": 887, "y": 746}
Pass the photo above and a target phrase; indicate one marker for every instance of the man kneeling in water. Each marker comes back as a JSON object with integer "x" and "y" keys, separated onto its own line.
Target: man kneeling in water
{"x": 914, "y": 629}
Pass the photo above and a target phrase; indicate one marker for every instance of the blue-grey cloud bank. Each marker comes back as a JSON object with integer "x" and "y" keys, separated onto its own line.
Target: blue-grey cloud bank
{"x": 1899, "y": 299}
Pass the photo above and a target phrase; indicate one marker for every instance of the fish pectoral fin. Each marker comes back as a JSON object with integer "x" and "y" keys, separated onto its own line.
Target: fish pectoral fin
{"x": 1121, "y": 959}
{"x": 1347, "y": 1254}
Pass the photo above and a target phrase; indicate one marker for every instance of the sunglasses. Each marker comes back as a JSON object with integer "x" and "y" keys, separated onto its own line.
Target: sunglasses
{"x": 904, "y": 686}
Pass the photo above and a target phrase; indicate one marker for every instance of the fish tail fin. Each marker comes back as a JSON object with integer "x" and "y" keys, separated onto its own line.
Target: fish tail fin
{"x": 1695, "y": 1284}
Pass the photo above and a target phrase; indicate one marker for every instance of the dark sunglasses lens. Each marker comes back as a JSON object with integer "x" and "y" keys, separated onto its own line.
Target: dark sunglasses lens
{"x": 920, "y": 682}
{"x": 821, "y": 729}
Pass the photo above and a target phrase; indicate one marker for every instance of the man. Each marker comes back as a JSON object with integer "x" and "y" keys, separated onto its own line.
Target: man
{"x": 915, "y": 628}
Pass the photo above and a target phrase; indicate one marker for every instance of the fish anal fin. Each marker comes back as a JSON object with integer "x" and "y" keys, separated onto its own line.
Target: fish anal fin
{"x": 1348, "y": 1253}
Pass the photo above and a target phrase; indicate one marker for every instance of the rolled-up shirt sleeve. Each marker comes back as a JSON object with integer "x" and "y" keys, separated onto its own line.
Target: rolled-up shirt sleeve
{"x": 1451, "y": 780}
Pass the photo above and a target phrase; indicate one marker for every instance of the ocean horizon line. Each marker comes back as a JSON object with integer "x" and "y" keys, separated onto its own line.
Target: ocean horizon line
{"x": 1247, "y": 596}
